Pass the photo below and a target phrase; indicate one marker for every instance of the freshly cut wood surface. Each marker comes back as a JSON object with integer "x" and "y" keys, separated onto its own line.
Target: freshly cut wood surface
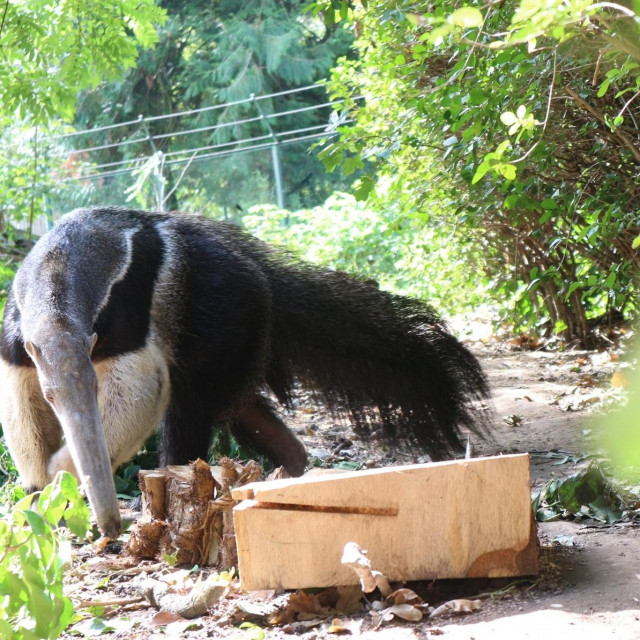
{"x": 466, "y": 518}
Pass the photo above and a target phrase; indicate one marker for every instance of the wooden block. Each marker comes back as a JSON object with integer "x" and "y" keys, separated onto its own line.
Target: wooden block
{"x": 465, "y": 518}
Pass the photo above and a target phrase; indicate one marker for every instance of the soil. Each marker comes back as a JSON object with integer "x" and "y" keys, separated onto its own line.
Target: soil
{"x": 547, "y": 404}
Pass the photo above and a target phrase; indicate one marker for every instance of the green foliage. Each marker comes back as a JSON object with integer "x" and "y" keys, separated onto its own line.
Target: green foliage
{"x": 126, "y": 476}
{"x": 378, "y": 241}
{"x": 32, "y": 558}
{"x": 585, "y": 494}
{"x": 213, "y": 53}
{"x": 224, "y": 444}
{"x": 53, "y": 50}
{"x": 33, "y": 166}
{"x": 8, "y": 268}
{"x": 618, "y": 432}
{"x": 492, "y": 111}
{"x": 8, "y": 471}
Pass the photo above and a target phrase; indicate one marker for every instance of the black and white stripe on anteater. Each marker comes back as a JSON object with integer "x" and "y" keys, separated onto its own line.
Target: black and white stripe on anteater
{"x": 119, "y": 321}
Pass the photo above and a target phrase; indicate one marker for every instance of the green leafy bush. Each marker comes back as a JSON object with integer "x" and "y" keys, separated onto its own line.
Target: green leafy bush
{"x": 32, "y": 558}
{"x": 376, "y": 240}
{"x": 520, "y": 120}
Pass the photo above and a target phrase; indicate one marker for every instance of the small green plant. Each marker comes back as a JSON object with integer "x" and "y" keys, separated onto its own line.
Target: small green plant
{"x": 126, "y": 476}
{"x": 585, "y": 494}
{"x": 32, "y": 557}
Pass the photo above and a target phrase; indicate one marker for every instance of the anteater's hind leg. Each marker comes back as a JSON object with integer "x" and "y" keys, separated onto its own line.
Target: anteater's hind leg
{"x": 133, "y": 394}
{"x": 258, "y": 425}
{"x": 30, "y": 427}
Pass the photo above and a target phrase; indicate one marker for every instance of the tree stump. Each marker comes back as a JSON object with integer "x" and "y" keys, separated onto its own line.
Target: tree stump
{"x": 187, "y": 513}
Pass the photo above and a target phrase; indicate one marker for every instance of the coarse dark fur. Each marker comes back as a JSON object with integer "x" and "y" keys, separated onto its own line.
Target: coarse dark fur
{"x": 235, "y": 321}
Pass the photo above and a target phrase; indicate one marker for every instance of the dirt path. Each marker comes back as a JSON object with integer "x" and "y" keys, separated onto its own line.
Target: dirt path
{"x": 593, "y": 588}
{"x": 590, "y": 579}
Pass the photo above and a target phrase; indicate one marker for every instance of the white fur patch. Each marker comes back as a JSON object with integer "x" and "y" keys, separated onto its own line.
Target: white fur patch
{"x": 30, "y": 427}
{"x": 133, "y": 396}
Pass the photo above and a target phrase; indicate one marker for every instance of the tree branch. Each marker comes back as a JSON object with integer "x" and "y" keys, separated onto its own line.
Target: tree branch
{"x": 600, "y": 118}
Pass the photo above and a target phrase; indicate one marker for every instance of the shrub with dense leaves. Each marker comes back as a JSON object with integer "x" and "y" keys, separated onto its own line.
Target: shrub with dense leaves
{"x": 521, "y": 121}
{"x": 32, "y": 557}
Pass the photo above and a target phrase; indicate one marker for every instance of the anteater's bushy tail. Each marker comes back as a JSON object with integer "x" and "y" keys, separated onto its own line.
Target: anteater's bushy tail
{"x": 386, "y": 360}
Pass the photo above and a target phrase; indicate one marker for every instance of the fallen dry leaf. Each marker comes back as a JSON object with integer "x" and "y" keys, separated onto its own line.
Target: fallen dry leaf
{"x": 514, "y": 420}
{"x": 256, "y": 610}
{"x": 457, "y": 606}
{"x": 338, "y": 626}
{"x": 349, "y": 599}
{"x": 349, "y": 625}
{"x": 356, "y": 558}
{"x": 587, "y": 380}
{"x": 307, "y": 606}
{"x": 619, "y": 380}
{"x": 404, "y": 596}
{"x": 406, "y": 612}
{"x": 180, "y": 627}
{"x": 164, "y": 617}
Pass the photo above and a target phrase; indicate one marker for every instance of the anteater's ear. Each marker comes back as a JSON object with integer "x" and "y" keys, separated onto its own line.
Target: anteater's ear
{"x": 31, "y": 348}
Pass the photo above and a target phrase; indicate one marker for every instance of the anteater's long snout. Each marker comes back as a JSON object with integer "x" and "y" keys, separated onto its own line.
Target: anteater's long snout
{"x": 69, "y": 383}
{"x": 82, "y": 427}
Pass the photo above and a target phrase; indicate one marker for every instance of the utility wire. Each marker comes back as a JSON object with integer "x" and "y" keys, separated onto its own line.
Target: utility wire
{"x": 213, "y": 154}
{"x": 213, "y": 127}
{"x": 190, "y": 112}
{"x": 219, "y": 145}
{"x": 195, "y": 154}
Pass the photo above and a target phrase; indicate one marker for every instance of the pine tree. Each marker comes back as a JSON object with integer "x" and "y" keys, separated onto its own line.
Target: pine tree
{"x": 214, "y": 53}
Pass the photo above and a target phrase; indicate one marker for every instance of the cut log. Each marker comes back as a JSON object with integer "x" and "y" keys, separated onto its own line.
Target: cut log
{"x": 152, "y": 488}
{"x": 186, "y": 513}
{"x": 467, "y": 518}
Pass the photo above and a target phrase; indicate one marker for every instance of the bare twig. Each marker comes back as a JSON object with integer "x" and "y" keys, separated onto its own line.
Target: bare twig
{"x": 628, "y": 102}
{"x": 547, "y": 114}
{"x": 596, "y": 71}
{"x": 4, "y": 16}
{"x": 473, "y": 45}
{"x": 612, "y": 5}
{"x": 82, "y": 604}
{"x": 620, "y": 43}
{"x": 33, "y": 186}
{"x": 179, "y": 180}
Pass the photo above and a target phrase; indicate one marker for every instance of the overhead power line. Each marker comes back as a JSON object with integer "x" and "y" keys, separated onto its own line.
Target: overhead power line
{"x": 189, "y": 112}
{"x": 236, "y": 145}
{"x": 134, "y": 134}
{"x": 209, "y": 128}
{"x": 189, "y": 153}
{"x": 195, "y": 153}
